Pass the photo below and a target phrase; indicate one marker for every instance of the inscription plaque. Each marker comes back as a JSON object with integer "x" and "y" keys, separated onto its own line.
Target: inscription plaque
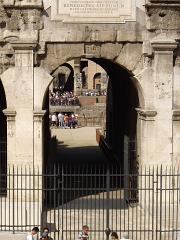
{"x": 93, "y": 11}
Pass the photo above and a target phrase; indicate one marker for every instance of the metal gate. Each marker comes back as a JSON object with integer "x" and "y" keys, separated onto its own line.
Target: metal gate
{"x": 90, "y": 194}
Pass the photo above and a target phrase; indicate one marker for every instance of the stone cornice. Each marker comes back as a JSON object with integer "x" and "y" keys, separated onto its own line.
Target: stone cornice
{"x": 176, "y": 115}
{"x": 38, "y": 115}
{"x": 10, "y": 114}
{"x": 146, "y": 114}
{"x": 21, "y": 45}
{"x": 163, "y": 44}
{"x": 163, "y": 3}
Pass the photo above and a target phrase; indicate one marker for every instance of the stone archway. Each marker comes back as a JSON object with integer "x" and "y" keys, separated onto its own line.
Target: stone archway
{"x": 129, "y": 82}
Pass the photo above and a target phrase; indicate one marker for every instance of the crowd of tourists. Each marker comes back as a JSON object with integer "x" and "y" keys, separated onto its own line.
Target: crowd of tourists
{"x": 63, "y": 99}
{"x": 83, "y": 235}
{"x": 69, "y": 99}
{"x": 64, "y": 120}
{"x": 94, "y": 93}
{"x": 34, "y": 235}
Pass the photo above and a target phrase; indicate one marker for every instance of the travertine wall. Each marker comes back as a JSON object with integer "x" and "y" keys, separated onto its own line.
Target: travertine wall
{"x": 32, "y": 46}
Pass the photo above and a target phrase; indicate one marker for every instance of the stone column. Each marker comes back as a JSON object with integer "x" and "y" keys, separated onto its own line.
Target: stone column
{"x": 11, "y": 136}
{"x": 146, "y": 135}
{"x": 38, "y": 143}
{"x": 22, "y": 82}
{"x": 176, "y": 137}
{"x": 163, "y": 90}
{"x": 77, "y": 84}
{"x": 176, "y": 113}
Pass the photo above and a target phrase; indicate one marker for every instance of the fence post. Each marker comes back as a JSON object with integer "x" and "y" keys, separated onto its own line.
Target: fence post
{"x": 107, "y": 196}
{"x": 161, "y": 206}
{"x": 126, "y": 168}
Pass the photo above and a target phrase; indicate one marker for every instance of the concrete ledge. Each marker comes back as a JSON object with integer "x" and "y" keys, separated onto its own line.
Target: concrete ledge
{"x": 11, "y": 236}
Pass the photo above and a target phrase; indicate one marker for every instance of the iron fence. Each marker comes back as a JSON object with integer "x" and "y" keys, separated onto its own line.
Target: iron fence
{"x": 3, "y": 166}
{"x": 67, "y": 196}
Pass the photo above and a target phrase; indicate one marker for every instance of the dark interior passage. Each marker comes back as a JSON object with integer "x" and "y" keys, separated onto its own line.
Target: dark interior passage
{"x": 3, "y": 142}
{"x": 121, "y": 116}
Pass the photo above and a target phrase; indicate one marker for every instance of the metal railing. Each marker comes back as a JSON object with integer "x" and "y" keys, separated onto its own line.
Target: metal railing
{"x": 3, "y": 167}
{"x": 70, "y": 195}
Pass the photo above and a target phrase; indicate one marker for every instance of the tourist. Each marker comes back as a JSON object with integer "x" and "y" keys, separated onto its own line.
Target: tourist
{"x": 45, "y": 234}
{"x": 61, "y": 120}
{"x": 34, "y": 234}
{"x": 84, "y": 234}
{"x": 54, "y": 120}
{"x": 114, "y": 236}
{"x": 66, "y": 120}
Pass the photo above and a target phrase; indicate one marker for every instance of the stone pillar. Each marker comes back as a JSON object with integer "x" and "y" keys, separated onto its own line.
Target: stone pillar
{"x": 38, "y": 143}
{"x": 163, "y": 91}
{"x": 77, "y": 83}
{"x": 11, "y": 136}
{"x": 176, "y": 137}
{"x": 176, "y": 113}
{"x": 146, "y": 135}
{"x": 23, "y": 85}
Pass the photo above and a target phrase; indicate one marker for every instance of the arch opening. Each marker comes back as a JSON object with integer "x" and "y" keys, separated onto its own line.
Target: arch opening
{"x": 116, "y": 116}
{"x": 121, "y": 99}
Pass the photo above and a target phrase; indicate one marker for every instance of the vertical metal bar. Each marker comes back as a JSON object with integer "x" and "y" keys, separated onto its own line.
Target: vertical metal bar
{"x": 74, "y": 197}
{"x": 25, "y": 197}
{"x": 111, "y": 212}
{"x": 177, "y": 202}
{"x": 58, "y": 200}
{"x": 83, "y": 193}
{"x": 29, "y": 193}
{"x": 9, "y": 194}
{"x": 116, "y": 196}
{"x": 103, "y": 186}
{"x": 70, "y": 185}
{"x": 86, "y": 192}
{"x": 91, "y": 195}
{"x": 169, "y": 201}
{"x": 62, "y": 198}
{"x": 126, "y": 178}
{"x": 128, "y": 187}
{"x": 157, "y": 203}
{"x": 141, "y": 197}
{"x": 149, "y": 200}
{"x": 66, "y": 197}
{"x": 173, "y": 190}
{"x": 33, "y": 191}
{"x": 78, "y": 193}
{"x": 94, "y": 193}
{"x": 161, "y": 204}
{"x": 145, "y": 196}
{"x": 107, "y": 192}
{"x": 50, "y": 193}
{"x": 13, "y": 217}
{"x": 38, "y": 196}
{"x": 165, "y": 202}
{"x": 21, "y": 196}
{"x": 54, "y": 205}
{"x": 122, "y": 203}
{"x": 99, "y": 200}
{"x": 17, "y": 199}
{"x": 1, "y": 207}
{"x": 153, "y": 206}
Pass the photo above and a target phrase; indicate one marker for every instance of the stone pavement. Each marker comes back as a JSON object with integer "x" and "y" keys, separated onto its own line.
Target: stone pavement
{"x": 79, "y": 144}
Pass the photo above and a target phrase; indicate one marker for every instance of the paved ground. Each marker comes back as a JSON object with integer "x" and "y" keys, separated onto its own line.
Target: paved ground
{"x": 79, "y": 144}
